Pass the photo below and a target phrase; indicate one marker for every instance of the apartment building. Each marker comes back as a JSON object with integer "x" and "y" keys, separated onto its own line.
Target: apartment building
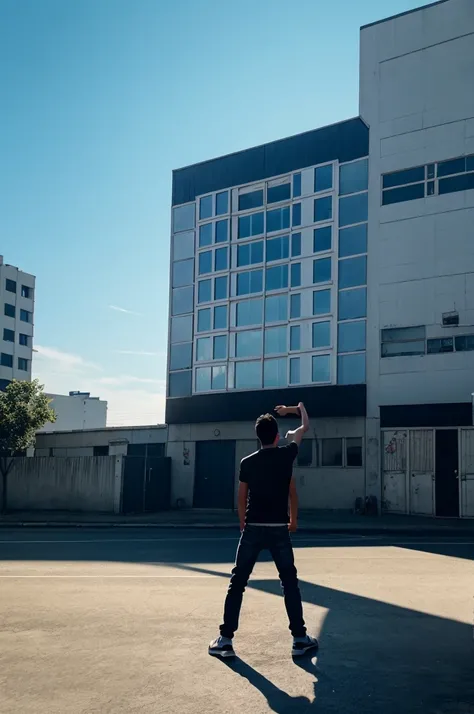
{"x": 17, "y": 300}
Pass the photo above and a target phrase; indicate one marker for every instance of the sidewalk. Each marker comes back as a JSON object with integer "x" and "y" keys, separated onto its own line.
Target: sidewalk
{"x": 309, "y": 522}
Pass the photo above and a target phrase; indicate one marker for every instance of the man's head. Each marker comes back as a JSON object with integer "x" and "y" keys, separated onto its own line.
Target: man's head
{"x": 267, "y": 430}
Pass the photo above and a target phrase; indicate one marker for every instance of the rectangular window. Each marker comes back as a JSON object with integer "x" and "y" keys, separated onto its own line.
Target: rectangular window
{"x": 305, "y": 453}
{"x": 101, "y": 450}
{"x": 219, "y": 374}
{"x": 322, "y": 270}
{"x": 353, "y": 240}
{"x": 220, "y": 347}
{"x": 183, "y": 273}
{"x": 403, "y": 341}
{"x": 203, "y": 379}
{"x": 222, "y": 203}
{"x": 323, "y": 209}
{"x": 181, "y": 329}
{"x": 281, "y": 192}
{"x": 251, "y": 225}
{"x": 295, "y": 305}
{"x": 205, "y": 235}
{"x": 250, "y": 253}
{"x": 276, "y": 277}
{"x": 456, "y": 183}
{"x": 439, "y": 345}
{"x": 275, "y": 340}
{"x": 278, "y": 219}
{"x": 222, "y": 231}
{"x": 404, "y": 193}
{"x": 430, "y": 171}
{"x": 205, "y": 262}
{"x": 9, "y": 310}
{"x": 295, "y": 337}
{"x": 323, "y": 178}
{"x": 8, "y": 335}
{"x": 295, "y": 370}
{"x": 6, "y": 360}
{"x": 295, "y": 245}
{"x": 203, "y": 349}
{"x": 321, "y": 334}
{"x": 354, "y": 177}
{"x": 464, "y": 343}
{"x": 249, "y": 343}
{"x": 353, "y": 209}
{"x": 179, "y": 384}
{"x": 276, "y": 308}
{"x": 331, "y": 452}
{"x": 352, "y": 304}
{"x": 321, "y": 368}
{"x": 277, "y": 248}
{"x": 296, "y": 215}
{"x": 204, "y": 291}
{"x": 351, "y": 336}
{"x": 183, "y": 218}
{"x": 295, "y": 275}
{"x": 296, "y": 185}
{"x": 221, "y": 259}
{"x": 253, "y": 199}
{"x": 251, "y": 281}
{"x": 10, "y": 285}
{"x": 430, "y": 188}
{"x": 183, "y": 245}
{"x": 220, "y": 317}
{"x": 352, "y": 272}
{"x": 205, "y": 207}
{"x": 453, "y": 166}
{"x": 354, "y": 452}
{"x": 24, "y": 340}
{"x": 181, "y": 356}
{"x": 182, "y": 300}
{"x": 321, "y": 302}
{"x": 322, "y": 239}
{"x": 274, "y": 372}
{"x": 249, "y": 312}
{"x": 204, "y": 320}
{"x": 25, "y": 316}
{"x": 220, "y": 287}
{"x": 248, "y": 375}
{"x": 351, "y": 369}
{"x": 401, "y": 178}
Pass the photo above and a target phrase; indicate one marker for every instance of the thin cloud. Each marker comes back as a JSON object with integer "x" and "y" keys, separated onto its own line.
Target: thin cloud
{"x": 63, "y": 360}
{"x": 130, "y": 379}
{"x": 123, "y": 309}
{"x": 139, "y": 353}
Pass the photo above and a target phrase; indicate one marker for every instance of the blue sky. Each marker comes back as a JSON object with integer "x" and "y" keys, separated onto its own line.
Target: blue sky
{"x": 100, "y": 100}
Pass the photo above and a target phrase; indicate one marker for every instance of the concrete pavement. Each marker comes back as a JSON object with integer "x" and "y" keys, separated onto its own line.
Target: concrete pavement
{"x": 118, "y": 621}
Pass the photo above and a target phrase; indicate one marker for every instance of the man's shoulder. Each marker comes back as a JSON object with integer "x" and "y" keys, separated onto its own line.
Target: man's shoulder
{"x": 249, "y": 458}
{"x": 292, "y": 447}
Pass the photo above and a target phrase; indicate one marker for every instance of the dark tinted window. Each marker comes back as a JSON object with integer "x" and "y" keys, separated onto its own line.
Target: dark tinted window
{"x": 295, "y": 305}
{"x": 453, "y": 166}
{"x": 10, "y": 285}
{"x": 353, "y": 177}
{"x": 354, "y": 451}
{"x": 295, "y": 277}
{"x": 470, "y": 163}
{"x": 305, "y": 453}
{"x": 352, "y": 272}
{"x": 278, "y": 219}
{"x": 222, "y": 203}
{"x": 296, "y": 218}
{"x": 323, "y": 209}
{"x": 182, "y": 300}
{"x": 102, "y": 450}
{"x": 353, "y": 209}
{"x": 205, "y": 235}
{"x": 26, "y": 292}
{"x": 442, "y": 344}
{"x": 254, "y": 199}
{"x": 8, "y": 335}
{"x": 399, "y": 178}
{"x": 322, "y": 239}
{"x": 353, "y": 240}
{"x": 179, "y": 384}
{"x": 278, "y": 193}
{"x": 24, "y": 340}
{"x": 352, "y": 303}
{"x": 295, "y": 245}
{"x": 9, "y": 310}
{"x": 464, "y": 343}
{"x": 181, "y": 355}
{"x": 205, "y": 207}
{"x": 204, "y": 292}
{"x": 6, "y": 360}
{"x": 405, "y": 193}
{"x": 296, "y": 185}
{"x": 220, "y": 288}
{"x": 220, "y": 259}
{"x": 321, "y": 270}
{"x": 323, "y": 178}
{"x": 222, "y": 231}
{"x": 464, "y": 182}
{"x": 331, "y": 452}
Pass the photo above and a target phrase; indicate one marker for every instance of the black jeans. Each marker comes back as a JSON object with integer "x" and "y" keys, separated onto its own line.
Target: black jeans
{"x": 276, "y": 539}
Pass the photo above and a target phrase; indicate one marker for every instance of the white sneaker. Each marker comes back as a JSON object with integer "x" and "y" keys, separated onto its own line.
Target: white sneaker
{"x": 303, "y": 645}
{"x": 221, "y": 647}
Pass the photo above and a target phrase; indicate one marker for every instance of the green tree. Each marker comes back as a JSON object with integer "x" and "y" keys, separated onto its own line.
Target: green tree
{"x": 24, "y": 408}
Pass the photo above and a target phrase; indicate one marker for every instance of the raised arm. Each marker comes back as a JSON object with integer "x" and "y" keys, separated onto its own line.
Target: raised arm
{"x": 295, "y": 435}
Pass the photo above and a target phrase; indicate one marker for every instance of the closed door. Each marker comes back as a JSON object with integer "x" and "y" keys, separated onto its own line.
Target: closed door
{"x": 133, "y": 484}
{"x": 447, "y": 473}
{"x": 157, "y": 484}
{"x": 214, "y": 475}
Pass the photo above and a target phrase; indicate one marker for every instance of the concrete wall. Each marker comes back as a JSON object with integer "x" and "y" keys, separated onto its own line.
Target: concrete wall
{"x": 81, "y": 443}
{"x": 66, "y": 484}
{"x": 76, "y": 412}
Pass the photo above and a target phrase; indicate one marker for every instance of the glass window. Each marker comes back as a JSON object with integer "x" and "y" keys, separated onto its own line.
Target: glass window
{"x": 10, "y": 285}
{"x": 6, "y": 360}
{"x": 295, "y": 370}
{"x": 352, "y": 272}
{"x": 251, "y": 225}
{"x": 276, "y": 308}
{"x": 222, "y": 231}
{"x": 220, "y": 347}
{"x": 182, "y": 300}
{"x": 456, "y": 183}
{"x": 321, "y": 368}
{"x": 248, "y": 343}
{"x": 322, "y": 239}
{"x": 277, "y": 248}
{"x": 275, "y": 340}
{"x": 204, "y": 291}
{"x": 204, "y": 320}
{"x": 205, "y": 235}
{"x": 183, "y": 273}
{"x": 430, "y": 171}
{"x": 220, "y": 317}
{"x": 181, "y": 356}
{"x": 400, "y": 178}
{"x": 296, "y": 185}
{"x": 9, "y": 335}
{"x": 439, "y": 345}
{"x": 295, "y": 245}
{"x": 403, "y": 349}
{"x": 250, "y": 253}
{"x": 251, "y": 281}
{"x": 353, "y": 209}
{"x": 205, "y": 262}
{"x": 203, "y": 351}
{"x": 321, "y": 334}
{"x": 321, "y": 302}
{"x": 278, "y": 219}
{"x": 323, "y": 209}
{"x": 305, "y": 453}
{"x": 397, "y": 334}
{"x": 351, "y": 369}
{"x": 25, "y": 340}
{"x": 25, "y": 316}
{"x": 331, "y": 452}
{"x": 276, "y": 277}
{"x": 296, "y": 215}
{"x": 295, "y": 337}
{"x": 179, "y": 384}
{"x": 464, "y": 343}
{"x": 205, "y": 207}
{"x": 430, "y": 188}
{"x": 354, "y": 451}
{"x": 353, "y": 240}
{"x": 351, "y": 336}
{"x": 352, "y": 304}
{"x": 22, "y": 364}
{"x": 182, "y": 328}
{"x": 354, "y": 177}
{"x": 282, "y": 192}
{"x": 453, "y": 166}
{"x": 183, "y": 218}
{"x": 222, "y": 203}
{"x": 404, "y": 193}
{"x": 295, "y": 275}
{"x": 220, "y": 259}
{"x": 321, "y": 270}
{"x": 295, "y": 305}
{"x": 9, "y": 310}
{"x": 218, "y": 377}
{"x": 183, "y": 245}
{"x": 253, "y": 199}
{"x": 248, "y": 375}
{"x": 323, "y": 178}
{"x": 203, "y": 379}
{"x": 274, "y": 372}
{"x": 249, "y": 312}
{"x": 220, "y": 287}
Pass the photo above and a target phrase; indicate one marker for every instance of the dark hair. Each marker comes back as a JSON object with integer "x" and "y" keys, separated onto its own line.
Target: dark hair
{"x": 267, "y": 429}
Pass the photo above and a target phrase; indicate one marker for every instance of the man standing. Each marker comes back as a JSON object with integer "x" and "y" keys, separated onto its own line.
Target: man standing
{"x": 266, "y": 485}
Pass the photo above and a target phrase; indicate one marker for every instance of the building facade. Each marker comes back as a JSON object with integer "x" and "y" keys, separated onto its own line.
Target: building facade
{"x": 17, "y": 299}
{"x": 337, "y": 267}
{"x": 78, "y": 410}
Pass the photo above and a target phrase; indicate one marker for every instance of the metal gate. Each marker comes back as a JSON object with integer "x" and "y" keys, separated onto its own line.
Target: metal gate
{"x": 467, "y": 473}
{"x": 146, "y": 484}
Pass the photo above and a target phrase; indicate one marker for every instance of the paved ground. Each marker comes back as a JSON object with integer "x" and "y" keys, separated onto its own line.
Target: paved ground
{"x": 118, "y": 621}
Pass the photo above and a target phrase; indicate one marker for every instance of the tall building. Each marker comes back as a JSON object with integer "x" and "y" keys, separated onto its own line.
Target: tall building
{"x": 337, "y": 267}
{"x": 17, "y": 299}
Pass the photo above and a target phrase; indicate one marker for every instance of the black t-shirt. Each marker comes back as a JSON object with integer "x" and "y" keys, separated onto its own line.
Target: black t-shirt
{"x": 268, "y": 474}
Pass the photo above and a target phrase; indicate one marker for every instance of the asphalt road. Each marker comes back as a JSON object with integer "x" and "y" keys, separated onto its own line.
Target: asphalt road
{"x": 119, "y": 621}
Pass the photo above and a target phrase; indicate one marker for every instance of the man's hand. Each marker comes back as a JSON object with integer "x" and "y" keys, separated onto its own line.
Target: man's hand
{"x": 293, "y": 526}
{"x": 281, "y": 410}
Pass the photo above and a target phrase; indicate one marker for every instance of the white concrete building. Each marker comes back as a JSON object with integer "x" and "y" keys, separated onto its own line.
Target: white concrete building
{"x": 75, "y": 411}
{"x": 17, "y": 300}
